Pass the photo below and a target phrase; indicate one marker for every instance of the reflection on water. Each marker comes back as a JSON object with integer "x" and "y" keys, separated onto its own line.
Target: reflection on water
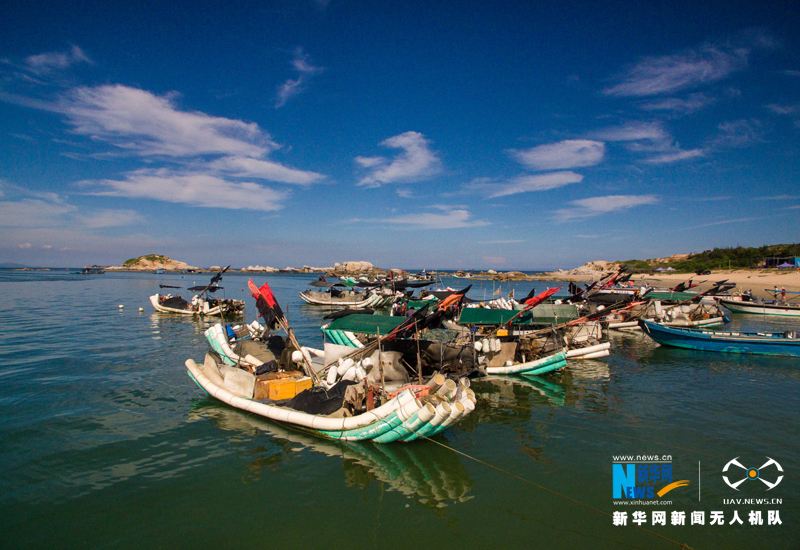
{"x": 425, "y": 472}
{"x": 520, "y": 390}
{"x": 165, "y": 325}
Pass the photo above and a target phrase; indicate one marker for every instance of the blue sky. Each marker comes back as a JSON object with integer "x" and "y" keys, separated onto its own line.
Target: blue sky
{"x": 471, "y": 135}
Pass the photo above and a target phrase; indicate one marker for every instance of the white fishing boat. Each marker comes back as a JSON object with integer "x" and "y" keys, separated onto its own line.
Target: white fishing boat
{"x": 349, "y": 410}
{"x": 203, "y": 307}
{"x": 201, "y": 304}
{"x": 686, "y": 315}
{"x": 325, "y": 293}
{"x": 761, "y": 307}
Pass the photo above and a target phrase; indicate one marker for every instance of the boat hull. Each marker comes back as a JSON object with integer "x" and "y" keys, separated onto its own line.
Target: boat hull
{"x": 402, "y": 418}
{"x": 325, "y": 299}
{"x": 727, "y": 342}
{"x": 225, "y": 308}
{"x": 759, "y": 308}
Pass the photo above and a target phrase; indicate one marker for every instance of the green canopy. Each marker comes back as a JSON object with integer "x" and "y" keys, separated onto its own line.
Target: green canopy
{"x": 366, "y": 324}
{"x": 485, "y": 316}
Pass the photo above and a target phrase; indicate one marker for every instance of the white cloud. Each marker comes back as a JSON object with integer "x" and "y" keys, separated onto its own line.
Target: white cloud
{"x": 525, "y": 184}
{"x": 693, "y": 103}
{"x": 33, "y": 213}
{"x": 648, "y": 138}
{"x": 695, "y": 67}
{"x": 725, "y": 222}
{"x": 291, "y": 88}
{"x": 784, "y": 109}
{"x": 147, "y": 125}
{"x": 47, "y": 62}
{"x": 634, "y": 131}
{"x": 49, "y": 211}
{"x": 675, "y": 157}
{"x": 515, "y": 241}
{"x": 143, "y": 123}
{"x": 196, "y": 189}
{"x": 246, "y": 167}
{"x": 738, "y": 133}
{"x": 778, "y": 198}
{"x": 454, "y": 219}
{"x": 596, "y": 206}
{"x": 370, "y": 162}
{"x": 415, "y": 163}
{"x": 571, "y": 153}
{"x": 110, "y": 218}
{"x": 667, "y": 74}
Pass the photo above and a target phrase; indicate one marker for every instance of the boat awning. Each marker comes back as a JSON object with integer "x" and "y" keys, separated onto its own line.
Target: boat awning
{"x": 325, "y": 284}
{"x": 207, "y": 288}
{"x": 367, "y": 324}
{"x": 485, "y": 316}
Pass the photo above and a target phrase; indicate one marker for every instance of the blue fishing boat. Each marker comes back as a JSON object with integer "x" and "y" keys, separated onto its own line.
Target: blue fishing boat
{"x": 763, "y": 343}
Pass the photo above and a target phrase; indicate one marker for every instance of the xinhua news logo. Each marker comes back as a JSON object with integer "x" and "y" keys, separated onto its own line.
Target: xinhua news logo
{"x": 643, "y": 477}
{"x": 762, "y": 473}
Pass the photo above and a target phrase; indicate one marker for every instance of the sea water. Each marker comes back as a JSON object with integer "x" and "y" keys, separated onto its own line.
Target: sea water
{"x": 105, "y": 442}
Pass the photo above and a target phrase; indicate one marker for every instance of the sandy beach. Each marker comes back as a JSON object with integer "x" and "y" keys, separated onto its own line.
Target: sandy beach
{"x": 758, "y": 281}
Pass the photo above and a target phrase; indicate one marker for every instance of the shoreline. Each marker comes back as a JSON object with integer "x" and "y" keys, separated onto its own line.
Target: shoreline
{"x": 746, "y": 279}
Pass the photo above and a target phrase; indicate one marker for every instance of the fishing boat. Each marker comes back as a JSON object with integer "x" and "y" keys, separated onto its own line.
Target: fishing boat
{"x": 452, "y": 351}
{"x": 349, "y": 409}
{"x": 762, "y": 343}
{"x": 762, "y": 307}
{"x": 409, "y": 349}
{"x": 674, "y": 308}
{"x": 688, "y": 315}
{"x": 326, "y": 293}
{"x": 339, "y": 400}
{"x": 92, "y": 270}
{"x": 529, "y": 331}
{"x": 200, "y": 304}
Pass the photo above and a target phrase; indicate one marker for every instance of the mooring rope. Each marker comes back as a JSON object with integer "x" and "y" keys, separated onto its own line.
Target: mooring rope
{"x": 684, "y": 546}
{"x": 634, "y": 438}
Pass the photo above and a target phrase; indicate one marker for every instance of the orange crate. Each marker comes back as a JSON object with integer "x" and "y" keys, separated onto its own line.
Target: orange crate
{"x": 303, "y": 384}
{"x": 283, "y": 388}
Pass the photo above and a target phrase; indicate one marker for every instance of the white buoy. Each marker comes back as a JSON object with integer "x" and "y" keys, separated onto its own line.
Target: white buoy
{"x": 120, "y": 306}
{"x": 331, "y": 379}
{"x": 141, "y": 309}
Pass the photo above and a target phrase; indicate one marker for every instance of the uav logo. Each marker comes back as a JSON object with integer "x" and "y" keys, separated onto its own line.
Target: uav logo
{"x": 751, "y": 474}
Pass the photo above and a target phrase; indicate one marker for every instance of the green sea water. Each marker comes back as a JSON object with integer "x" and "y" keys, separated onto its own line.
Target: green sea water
{"x": 105, "y": 442}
